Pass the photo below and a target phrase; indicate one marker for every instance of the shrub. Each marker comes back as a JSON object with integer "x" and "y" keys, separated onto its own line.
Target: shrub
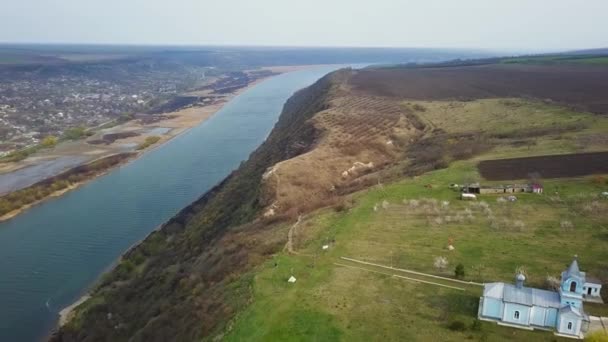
{"x": 49, "y": 141}
{"x": 599, "y": 180}
{"x": 440, "y": 263}
{"x": 476, "y": 325}
{"x": 342, "y": 206}
{"x": 151, "y": 140}
{"x": 75, "y": 133}
{"x": 419, "y": 108}
{"x": 566, "y": 225}
{"x": 552, "y": 283}
{"x": 457, "y": 326}
{"x": 459, "y": 271}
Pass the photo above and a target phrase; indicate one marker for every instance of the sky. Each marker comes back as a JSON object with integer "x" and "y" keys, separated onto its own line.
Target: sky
{"x": 505, "y": 25}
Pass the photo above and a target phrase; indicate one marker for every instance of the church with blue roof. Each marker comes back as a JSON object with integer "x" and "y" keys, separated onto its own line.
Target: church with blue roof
{"x": 528, "y": 308}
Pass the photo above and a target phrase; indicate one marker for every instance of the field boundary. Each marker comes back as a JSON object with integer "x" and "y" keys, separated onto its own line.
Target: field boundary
{"x": 411, "y": 271}
{"x": 402, "y": 277}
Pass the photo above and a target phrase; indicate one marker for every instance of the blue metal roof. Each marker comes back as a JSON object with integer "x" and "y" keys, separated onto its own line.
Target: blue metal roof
{"x": 570, "y": 310}
{"x": 524, "y": 295}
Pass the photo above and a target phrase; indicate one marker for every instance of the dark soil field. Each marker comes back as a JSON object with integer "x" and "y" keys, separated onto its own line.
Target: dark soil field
{"x": 579, "y": 87}
{"x": 552, "y": 166}
{"x": 112, "y": 137}
{"x": 175, "y": 104}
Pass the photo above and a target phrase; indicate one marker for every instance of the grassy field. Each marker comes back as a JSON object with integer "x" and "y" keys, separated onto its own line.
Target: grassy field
{"x": 501, "y": 116}
{"x": 526, "y": 127}
{"x": 329, "y": 301}
{"x": 409, "y": 223}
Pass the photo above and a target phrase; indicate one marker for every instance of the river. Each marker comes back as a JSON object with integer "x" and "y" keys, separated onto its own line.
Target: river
{"x": 51, "y": 254}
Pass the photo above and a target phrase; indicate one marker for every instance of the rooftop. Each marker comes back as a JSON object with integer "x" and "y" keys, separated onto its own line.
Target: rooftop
{"x": 524, "y": 295}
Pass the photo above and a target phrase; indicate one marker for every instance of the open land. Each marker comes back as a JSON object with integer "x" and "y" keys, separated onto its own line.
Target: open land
{"x": 385, "y": 145}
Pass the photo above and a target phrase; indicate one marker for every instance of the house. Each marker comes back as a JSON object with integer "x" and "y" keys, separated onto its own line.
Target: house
{"x": 476, "y": 188}
{"x": 536, "y": 188}
{"x": 591, "y": 290}
{"x": 529, "y": 308}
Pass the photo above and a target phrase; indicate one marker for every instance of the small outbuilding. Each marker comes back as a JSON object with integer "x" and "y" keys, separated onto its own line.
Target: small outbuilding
{"x": 476, "y": 188}
{"x": 467, "y": 196}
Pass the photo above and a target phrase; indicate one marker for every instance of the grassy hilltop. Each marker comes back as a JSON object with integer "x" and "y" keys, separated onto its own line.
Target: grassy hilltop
{"x": 361, "y": 162}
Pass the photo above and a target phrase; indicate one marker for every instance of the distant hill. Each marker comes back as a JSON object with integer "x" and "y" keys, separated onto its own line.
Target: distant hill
{"x": 223, "y": 57}
{"x": 600, "y": 51}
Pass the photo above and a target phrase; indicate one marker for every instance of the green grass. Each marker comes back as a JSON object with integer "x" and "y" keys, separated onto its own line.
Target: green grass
{"x": 596, "y": 60}
{"x": 500, "y": 116}
{"x": 149, "y": 141}
{"x": 329, "y": 302}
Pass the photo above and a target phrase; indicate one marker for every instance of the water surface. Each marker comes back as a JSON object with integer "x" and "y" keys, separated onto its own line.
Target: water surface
{"x": 50, "y": 254}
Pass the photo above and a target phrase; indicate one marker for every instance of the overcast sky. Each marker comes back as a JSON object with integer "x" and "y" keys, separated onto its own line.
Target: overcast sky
{"x": 530, "y": 25}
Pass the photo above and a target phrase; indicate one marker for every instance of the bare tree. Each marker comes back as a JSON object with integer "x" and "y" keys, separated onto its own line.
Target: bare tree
{"x": 521, "y": 270}
{"x": 566, "y": 225}
{"x": 552, "y": 283}
{"x": 441, "y": 263}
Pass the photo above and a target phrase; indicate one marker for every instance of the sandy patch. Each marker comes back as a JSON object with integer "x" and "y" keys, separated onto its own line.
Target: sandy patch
{"x": 66, "y": 313}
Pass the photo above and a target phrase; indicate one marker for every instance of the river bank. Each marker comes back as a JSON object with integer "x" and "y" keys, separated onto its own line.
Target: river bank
{"x": 128, "y": 137}
{"x": 66, "y": 312}
{"x": 16, "y": 202}
{"x": 58, "y": 251}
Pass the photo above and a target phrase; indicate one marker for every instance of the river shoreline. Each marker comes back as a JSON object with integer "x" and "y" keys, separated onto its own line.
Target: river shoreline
{"x": 177, "y": 122}
{"x": 127, "y": 157}
{"x": 66, "y": 313}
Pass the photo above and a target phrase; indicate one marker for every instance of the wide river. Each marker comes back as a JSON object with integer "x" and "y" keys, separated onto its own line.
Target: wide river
{"x": 51, "y": 254}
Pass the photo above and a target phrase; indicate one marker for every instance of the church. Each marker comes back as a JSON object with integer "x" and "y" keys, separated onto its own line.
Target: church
{"x": 524, "y": 307}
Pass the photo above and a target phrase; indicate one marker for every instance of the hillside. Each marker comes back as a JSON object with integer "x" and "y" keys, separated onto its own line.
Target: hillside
{"x": 361, "y": 162}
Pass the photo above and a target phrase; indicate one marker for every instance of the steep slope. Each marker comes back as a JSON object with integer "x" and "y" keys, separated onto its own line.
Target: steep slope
{"x": 173, "y": 286}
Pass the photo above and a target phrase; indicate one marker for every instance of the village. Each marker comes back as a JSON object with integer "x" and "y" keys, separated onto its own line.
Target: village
{"x": 33, "y": 107}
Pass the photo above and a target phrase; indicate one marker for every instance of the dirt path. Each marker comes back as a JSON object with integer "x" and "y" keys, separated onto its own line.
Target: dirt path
{"x": 401, "y": 277}
{"x": 418, "y": 274}
{"x": 292, "y": 229}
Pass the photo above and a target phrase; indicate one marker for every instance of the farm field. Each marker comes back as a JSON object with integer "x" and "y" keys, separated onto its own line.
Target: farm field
{"x": 551, "y": 166}
{"x": 577, "y": 86}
